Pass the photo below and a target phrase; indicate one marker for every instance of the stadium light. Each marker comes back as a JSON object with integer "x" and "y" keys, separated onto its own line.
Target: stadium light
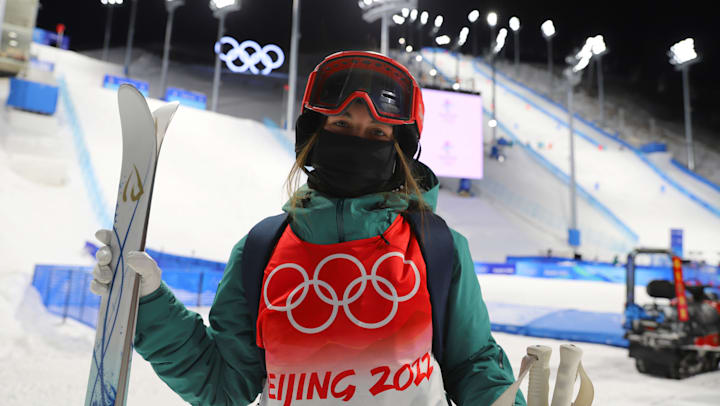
{"x": 413, "y": 15}
{"x": 682, "y": 56}
{"x": 398, "y": 19}
{"x": 473, "y": 16}
{"x": 492, "y": 22}
{"x": 599, "y": 49}
{"x": 383, "y": 10}
{"x": 442, "y": 40}
{"x": 408, "y": 48}
{"x": 405, "y": 12}
{"x": 401, "y": 41}
{"x": 515, "y": 27}
{"x": 424, "y": 17}
{"x": 463, "y": 36}
{"x": 131, "y": 35}
{"x": 171, "y": 6}
{"x": 438, "y": 21}
{"x": 221, "y": 8}
{"x": 573, "y": 73}
{"x": 108, "y": 24}
{"x": 548, "y": 31}
{"x": 495, "y": 48}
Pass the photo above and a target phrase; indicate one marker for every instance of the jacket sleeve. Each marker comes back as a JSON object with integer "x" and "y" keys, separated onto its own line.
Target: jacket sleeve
{"x": 475, "y": 369}
{"x": 215, "y": 365}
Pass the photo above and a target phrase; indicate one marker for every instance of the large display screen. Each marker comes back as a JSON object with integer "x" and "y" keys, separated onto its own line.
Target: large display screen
{"x": 452, "y": 139}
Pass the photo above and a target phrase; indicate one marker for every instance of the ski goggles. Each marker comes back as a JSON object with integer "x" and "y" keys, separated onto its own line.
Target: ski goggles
{"x": 388, "y": 88}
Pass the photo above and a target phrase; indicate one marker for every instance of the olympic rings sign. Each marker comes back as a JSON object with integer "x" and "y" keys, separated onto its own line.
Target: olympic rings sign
{"x": 298, "y": 294}
{"x": 249, "y": 62}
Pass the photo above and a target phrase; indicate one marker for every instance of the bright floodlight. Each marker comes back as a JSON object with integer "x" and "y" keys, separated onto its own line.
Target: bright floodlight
{"x": 463, "y": 36}
{"x": 500, "y": 41}
{"x": 220, "y": 4}
{"x": 456, "y": 86}
{"x": 367, "y": 2}
{"x": 433, "y": 72}
{"x": 683, "y": 52}
{"x": 473, "y": 16}
{"x": 405, "y": 12}
{"x": 438, "y": 21}
{"x": 413, "y": 15}
{"x": 401, "y": 41}
{"x": 492, "y": 19}
{"x": 583, "y": 57}
{"x": 409, "y": 48}
{"x": 442, "y": 40}
{"x": 598, "y": 46}
{"x": 399, "y": 20}
{"x": 418, "y": 58}
{"x": 424, "y": 17}
{"x": 548, "y": 29}
{"x": 514, "y": 23}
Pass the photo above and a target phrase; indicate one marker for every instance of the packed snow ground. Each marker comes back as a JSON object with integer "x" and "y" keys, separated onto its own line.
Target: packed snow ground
{"x": 50, "y": 216}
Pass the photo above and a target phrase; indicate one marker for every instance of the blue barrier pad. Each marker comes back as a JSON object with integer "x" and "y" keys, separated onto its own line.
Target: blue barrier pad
{"x": 114, "y": 82}
{"x": 186, "y": 98}
{"x": 653, "y": 147}
{"x": 560, "y": 324}
{"x": 42, "y": 65}
{"x": 32, "y": 96}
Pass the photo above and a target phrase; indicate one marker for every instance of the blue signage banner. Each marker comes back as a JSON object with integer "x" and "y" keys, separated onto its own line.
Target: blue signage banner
{"x": 114, "y": 82}
{"x": 676, "y": 241}
{"x": 186, "y": 98}
{"x": 46, "y": 37}
{"x": 494, "y": 269}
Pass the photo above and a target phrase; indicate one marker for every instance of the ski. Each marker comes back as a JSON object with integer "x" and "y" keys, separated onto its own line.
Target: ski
{"x": 142, "y": 136}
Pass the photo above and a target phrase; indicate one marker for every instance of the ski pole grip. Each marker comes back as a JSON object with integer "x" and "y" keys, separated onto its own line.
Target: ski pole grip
{"x": 539, "y": 385}
{"x": 570, "y": 356}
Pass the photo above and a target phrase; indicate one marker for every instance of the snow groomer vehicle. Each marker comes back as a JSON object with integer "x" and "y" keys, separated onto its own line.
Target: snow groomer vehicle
{"x": 677, "y": 335}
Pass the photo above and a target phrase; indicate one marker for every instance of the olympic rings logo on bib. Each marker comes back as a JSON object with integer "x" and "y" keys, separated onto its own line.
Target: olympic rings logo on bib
{"x": 249, "y": 62}
{"x": 298, "y": 294}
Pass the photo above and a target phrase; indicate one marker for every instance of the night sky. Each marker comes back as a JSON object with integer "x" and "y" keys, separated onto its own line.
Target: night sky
{"x": 637, "y": 33}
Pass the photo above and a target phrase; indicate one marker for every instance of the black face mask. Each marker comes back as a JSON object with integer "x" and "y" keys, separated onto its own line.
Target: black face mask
{"x": 350, "y": 166}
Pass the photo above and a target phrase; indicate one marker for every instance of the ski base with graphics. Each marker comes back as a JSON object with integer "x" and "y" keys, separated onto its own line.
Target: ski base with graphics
{"x": 142, "y": 136}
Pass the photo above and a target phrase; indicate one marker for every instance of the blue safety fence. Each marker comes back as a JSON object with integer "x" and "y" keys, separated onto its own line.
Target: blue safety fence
{"x": 65, "y": 291}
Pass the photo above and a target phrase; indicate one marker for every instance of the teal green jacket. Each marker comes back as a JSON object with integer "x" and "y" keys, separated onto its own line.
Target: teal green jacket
{"x": 221, "y": 364}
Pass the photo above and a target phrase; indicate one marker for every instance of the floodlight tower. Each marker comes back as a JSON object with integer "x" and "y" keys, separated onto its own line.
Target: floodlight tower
{"x": 599, "y": 49}
{"x": 473, "y": 16}
{"x": 462, "y": 38}
{"x": 441, "y": 40}
{"x": 171, "y": 6}
{"x": 548, "y": 31}
{"x": 515, "y": 27}
{"x": 573, "y": 74}
{"x": 382, "y": 10}
{"x": 498, "y": 45}
{"x": 131, "y": 35}
{"x": 221, "y": 8}
{"x": 292, "y": 69}
{"x": 492, "y": 19}
{"x": 682, "y": 55}
{"x": 110, "y": 4}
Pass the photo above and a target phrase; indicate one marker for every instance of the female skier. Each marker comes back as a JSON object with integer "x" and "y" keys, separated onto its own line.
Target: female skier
{"x": 343, "y": 311}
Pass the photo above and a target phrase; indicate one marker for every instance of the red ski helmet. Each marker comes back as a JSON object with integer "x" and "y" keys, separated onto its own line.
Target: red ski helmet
{"x": 387, "y": 88}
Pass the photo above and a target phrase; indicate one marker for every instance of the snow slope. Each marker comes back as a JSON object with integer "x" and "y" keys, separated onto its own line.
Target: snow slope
{"x": 630, "y": 188}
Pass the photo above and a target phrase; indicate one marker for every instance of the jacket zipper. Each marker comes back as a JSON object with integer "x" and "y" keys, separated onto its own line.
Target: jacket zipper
{"x": 339, "y": 219}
